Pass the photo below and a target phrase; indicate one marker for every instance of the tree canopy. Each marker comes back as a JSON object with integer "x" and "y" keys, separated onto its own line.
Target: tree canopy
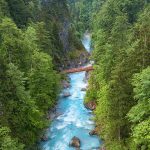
{"x": 120, "y": 82}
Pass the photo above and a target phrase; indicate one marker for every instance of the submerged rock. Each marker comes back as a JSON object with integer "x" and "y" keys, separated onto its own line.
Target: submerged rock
{"x": 44, "y": 138}
{"x": 52, "y": 115}
{"x": 91, "y": 105}
{"x": 66, "y": 94}
{"x": 75, "y": 142}
{"x": 83, "y": 89}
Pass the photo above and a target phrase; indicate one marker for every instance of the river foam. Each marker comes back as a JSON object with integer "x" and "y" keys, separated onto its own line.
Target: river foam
{"x": 75, "y": 120}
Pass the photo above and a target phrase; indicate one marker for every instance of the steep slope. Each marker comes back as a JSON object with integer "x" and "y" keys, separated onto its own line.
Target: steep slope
{"x": 119, "y": 84}
{"x": 82, "y": 12}
{"x": 65, "y": 45}
{"x": 58, "y": 14}
{"x": 36, "y": 39}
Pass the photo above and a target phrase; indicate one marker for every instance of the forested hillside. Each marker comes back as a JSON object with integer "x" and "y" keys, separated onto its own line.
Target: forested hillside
{"x": 52, "y": 21}
{"x": 82, "y": 12}
{"x": 36, "y": 37}
{"x": 40, "y": 38}
{"x": 120, "y": 83}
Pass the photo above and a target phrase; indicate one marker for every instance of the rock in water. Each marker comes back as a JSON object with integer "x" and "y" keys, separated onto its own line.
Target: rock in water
{"x": 83, "y": 89}
{"x": 66, "y": 94}
{"x": 75, "y": 142}
{"x": 91, "y": 105}
{"x": 44, "y": 138}
{"x": 94, "y": 132}
{"x": 65, "y": 84}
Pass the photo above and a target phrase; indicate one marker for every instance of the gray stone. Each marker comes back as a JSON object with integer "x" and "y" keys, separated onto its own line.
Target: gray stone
{"x": 75, "y": 142}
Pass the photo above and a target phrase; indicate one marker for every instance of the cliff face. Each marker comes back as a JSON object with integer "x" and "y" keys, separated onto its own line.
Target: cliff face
{"x": 64, "y": 35}
{"x": 57, "y": 13}
{"x": 61, "y": 42}
{"x": 67, "y": 42}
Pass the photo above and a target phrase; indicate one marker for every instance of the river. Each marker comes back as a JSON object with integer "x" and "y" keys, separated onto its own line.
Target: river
{"x": 86, "y": 41}
{"x": 75, "y": 119}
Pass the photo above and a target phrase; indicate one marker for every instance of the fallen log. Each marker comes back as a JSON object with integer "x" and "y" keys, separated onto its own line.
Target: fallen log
{"x": 80, "y": 69}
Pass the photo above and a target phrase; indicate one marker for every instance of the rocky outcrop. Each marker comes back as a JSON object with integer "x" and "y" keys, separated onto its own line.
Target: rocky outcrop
{"x": 52, "y": 115}
{"x": 79, "y": 59}
{"x": 94, "y": 131}
{"x": 44, "y": 138}
{"x": 64, "y": 41}
{"x": 102, "y": 148}
{"x": 65, "y": 84}
{"x": 75, "y": 142}
{"x": 91, "y": 105}
{"x": 87, "y": 75}
{"x": 83, "y": 89}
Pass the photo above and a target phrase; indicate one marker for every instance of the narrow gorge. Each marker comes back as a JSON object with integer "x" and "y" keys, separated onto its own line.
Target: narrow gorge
{"x": 72, "y": 118}
{"x": 74, "y": 74}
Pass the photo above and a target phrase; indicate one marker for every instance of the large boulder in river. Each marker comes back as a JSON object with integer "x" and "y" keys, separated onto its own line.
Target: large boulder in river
{"x": 75, "y": 142}
{"x": 83, "y": 89}
{"x": 91, "y": 105}
{"x": 66, "y": 94}
{"x": 44, "y": 138}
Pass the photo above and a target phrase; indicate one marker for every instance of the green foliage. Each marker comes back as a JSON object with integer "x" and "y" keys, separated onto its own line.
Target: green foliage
{"x": 44, "y": 37}
{"x": 19, "y": 12}
{"x": 19, "y": 109}
{"x": 35, "y": 37}
{"x": 83, "y": 14}
{"x": 29, "y": 85}
{"x": 60, "y": 34}
{"x": 141, "y": 135}
{"x": 139, "y": 114}
{"x": 121, "y": 38}
{"x": 43, "y": 81}
{"x": 6, "y": 142}
{"x": 3, "y": 9}
{"x": 14, "y": 47}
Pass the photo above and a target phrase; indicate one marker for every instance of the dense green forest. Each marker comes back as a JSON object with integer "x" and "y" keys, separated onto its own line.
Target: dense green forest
{"x": 36, "y": 38}
{"x": 82, "y": 12}
{"x": 120, "y": 83}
